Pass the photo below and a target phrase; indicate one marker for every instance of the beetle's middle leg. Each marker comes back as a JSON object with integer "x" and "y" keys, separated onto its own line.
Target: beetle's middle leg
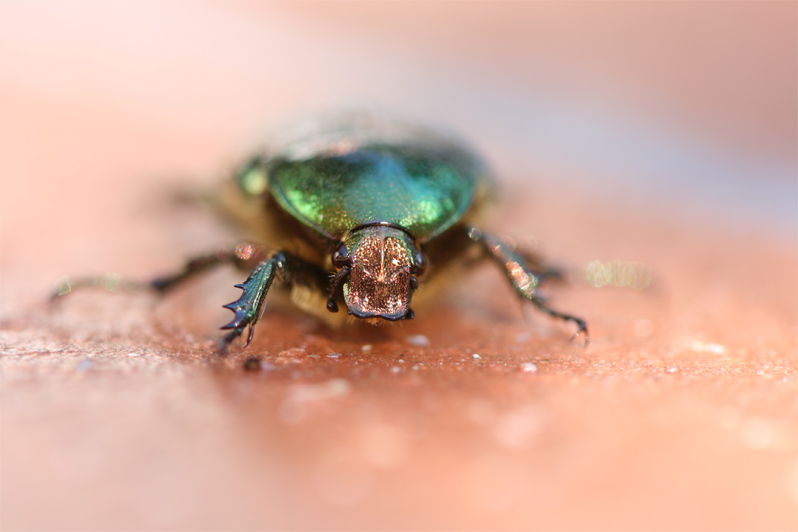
{"x": 290, "y": 269}
{"x": 525, "y": 272}
{"x": 193, "y": 267}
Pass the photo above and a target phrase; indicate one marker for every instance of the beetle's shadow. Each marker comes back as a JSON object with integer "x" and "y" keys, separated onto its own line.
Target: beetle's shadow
{"x": 355, "y": 330}
{"x": 442, "y": 320}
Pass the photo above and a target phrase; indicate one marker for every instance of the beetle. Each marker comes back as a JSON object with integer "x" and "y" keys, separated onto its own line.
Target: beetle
{"x": 360, "y": 209}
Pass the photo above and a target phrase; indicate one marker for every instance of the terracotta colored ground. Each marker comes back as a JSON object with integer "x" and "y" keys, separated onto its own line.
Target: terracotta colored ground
{"x": 681, "y": 414}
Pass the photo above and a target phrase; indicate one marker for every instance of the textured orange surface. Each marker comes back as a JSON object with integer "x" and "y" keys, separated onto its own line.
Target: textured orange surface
{"x": 680, "y": 414}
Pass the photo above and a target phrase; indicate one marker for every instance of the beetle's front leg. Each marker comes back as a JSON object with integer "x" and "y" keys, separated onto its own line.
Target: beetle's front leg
{"x": 248, "y": 309}
{"x": 525, "y": 273}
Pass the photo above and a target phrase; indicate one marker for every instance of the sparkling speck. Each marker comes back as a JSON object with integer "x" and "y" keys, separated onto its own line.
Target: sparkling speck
{"x": 333, "y": 355}
{"x": 522, "y": 338}
{"x": 705, "y": 347}
{"x": 396, "y": 369}
{"x": 331, "y": 389}
{"x": 294, "y": 351}
{"x": 475, "y": 356}
{"x": 528, "y": 367}
{"x": 366, "y": 348}
{"x": 419, "y": 340}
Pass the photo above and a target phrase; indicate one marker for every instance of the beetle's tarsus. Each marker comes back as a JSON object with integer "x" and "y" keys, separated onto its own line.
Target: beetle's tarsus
{"x": 580, "y": 323}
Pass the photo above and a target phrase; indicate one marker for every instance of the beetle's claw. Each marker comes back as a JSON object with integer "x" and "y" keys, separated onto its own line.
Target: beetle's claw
{"x": 239, "y": 323}
{"x": 249, "y": 337}
{"x": 332, "y": 305}
{"x": 230, "y": 337}
{"x": 582, "y": 329}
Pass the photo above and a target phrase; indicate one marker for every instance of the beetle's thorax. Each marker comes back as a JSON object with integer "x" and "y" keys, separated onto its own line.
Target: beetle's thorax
{"x": 381, "y": 280}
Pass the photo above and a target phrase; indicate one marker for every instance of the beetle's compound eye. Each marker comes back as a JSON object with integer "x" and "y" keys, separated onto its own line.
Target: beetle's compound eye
{"x": 419, "y": 264}
{"x": 341, "y": 258}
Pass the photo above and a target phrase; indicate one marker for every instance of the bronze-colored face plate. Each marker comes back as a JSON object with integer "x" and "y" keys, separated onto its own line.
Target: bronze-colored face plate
{"x": 379, "y": 283}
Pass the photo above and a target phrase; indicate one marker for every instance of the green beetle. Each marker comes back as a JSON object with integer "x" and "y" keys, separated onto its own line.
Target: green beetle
{"x": 360, "y": 209}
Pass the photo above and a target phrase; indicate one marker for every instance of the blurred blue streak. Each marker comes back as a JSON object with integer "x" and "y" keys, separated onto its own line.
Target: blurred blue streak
{"x": 600, "y": 149}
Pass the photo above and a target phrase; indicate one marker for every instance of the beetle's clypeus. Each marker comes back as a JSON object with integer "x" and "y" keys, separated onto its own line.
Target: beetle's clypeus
{"x": 359, "y": 210}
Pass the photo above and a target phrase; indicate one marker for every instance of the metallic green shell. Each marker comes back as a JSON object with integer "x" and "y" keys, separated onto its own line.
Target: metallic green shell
{"x": 337, "y": 179}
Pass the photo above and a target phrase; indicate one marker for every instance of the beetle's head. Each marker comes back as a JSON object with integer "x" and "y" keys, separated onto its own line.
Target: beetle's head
{"x": 378, "y": 269}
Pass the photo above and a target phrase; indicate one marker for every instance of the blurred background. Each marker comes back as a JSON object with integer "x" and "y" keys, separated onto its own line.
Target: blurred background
{"x": 687, "y": 107}
{"x": 679, "y": 112}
